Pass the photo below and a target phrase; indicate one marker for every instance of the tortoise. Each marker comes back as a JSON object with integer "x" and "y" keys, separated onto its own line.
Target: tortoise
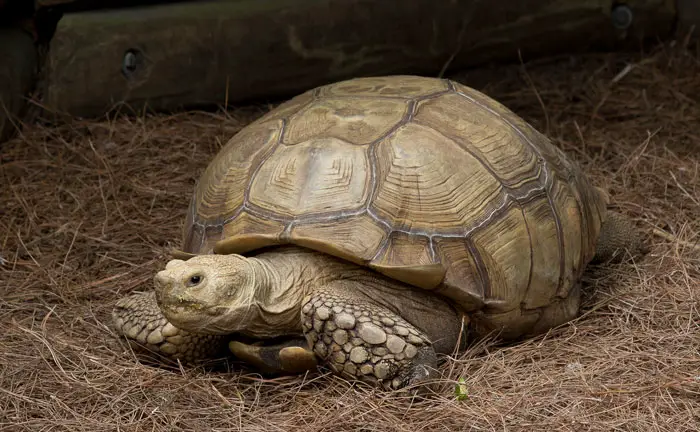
{"x": 372, "y": 224}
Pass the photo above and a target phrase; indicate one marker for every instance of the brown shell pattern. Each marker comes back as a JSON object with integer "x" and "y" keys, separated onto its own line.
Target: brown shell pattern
{"x": 422, "y": 179}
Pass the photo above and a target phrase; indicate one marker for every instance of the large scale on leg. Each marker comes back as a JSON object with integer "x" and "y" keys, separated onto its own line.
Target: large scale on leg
{"x": 374, "y": 216}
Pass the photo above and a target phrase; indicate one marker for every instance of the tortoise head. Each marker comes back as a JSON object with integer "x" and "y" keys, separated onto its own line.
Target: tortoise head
{"x": 209, "y": 294}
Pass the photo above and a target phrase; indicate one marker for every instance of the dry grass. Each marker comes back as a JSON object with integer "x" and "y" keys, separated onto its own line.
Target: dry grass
{"x": 87, "y": 210}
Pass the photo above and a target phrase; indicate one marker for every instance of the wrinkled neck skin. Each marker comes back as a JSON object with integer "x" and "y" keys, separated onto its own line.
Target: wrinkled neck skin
{"x": 284, "y": 276}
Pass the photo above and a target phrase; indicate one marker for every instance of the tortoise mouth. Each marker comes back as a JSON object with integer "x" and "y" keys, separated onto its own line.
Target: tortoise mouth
{"x": 195, "y": 317}
{"x": 186, "y": 307}
{"x": 183, "y": 306}
{"x": 186, "y": 315}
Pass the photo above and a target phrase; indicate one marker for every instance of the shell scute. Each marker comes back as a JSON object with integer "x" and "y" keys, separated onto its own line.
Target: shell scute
{"x": 411, "y": 259}
{"x": 318, "y": 176}
{"x": 462, "y": 279}
{"x": 247, "y": 232}
{"x": 489, "y": 138}
{"x": 357, "y": 122}
{"x": 356, "y": 238}
{"x": 506, "y": 240}
{"x": 425, "y": 182}
{"x": 545, "y": 253}
{"x": 397, "y": 86}
{"x": 221, "y": 190}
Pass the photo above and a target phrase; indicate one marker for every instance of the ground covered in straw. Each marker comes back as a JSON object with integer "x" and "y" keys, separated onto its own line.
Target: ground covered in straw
{"x": 87, "y": 211}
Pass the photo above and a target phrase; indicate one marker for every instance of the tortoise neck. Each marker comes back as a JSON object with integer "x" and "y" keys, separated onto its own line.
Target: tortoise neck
{"x": 283, "y": 277}
{"x": 279, "y": 289}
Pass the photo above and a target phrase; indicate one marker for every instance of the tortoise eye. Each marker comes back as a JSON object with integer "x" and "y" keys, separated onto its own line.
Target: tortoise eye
{"x": 194, "y": 280}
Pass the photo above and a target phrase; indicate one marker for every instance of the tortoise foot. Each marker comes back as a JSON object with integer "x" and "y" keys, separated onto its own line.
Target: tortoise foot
{"x": 363, "y": 341}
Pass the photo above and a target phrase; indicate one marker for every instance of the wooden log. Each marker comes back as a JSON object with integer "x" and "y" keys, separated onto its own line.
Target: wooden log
{"x": 18, "y": 64}
{"x": 209, "y": 52}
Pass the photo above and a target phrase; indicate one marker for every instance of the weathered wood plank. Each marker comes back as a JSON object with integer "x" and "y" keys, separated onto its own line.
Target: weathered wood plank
{"x": 207, "y": 52}
{"x": 18, "y": 63}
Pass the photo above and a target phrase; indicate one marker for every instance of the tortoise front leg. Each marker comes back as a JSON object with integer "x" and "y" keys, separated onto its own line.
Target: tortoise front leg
{"x": 139, "y": 319}
{"x": 360, "y": 339}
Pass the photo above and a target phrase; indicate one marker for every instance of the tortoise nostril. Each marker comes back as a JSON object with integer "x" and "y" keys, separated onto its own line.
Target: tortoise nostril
{"x": 162, "y": 278}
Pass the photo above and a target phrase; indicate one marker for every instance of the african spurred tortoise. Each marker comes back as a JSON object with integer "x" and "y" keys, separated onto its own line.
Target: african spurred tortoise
{"x": 385, "y": 219}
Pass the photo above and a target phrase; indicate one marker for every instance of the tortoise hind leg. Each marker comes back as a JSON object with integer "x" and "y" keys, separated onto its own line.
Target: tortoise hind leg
{"x": 362, "y": 340}
{"x": 618, "y": 234}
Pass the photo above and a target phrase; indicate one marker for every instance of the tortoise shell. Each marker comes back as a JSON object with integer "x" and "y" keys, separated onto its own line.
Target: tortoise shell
{"x": 424, "y": 180}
